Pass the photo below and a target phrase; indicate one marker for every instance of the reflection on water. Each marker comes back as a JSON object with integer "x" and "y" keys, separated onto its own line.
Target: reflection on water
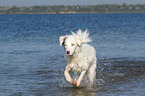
{"x": 80, "y": 91}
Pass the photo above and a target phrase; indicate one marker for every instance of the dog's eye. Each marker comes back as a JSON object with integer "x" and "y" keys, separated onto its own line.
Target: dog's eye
{"x": 72, "y": 44}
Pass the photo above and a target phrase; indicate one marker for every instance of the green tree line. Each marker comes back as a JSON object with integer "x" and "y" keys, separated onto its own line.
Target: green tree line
{"x": 105, "y": 8}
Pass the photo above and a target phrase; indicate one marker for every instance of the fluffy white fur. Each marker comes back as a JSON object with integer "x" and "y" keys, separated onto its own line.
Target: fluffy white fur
{"x": 80, "y": 57}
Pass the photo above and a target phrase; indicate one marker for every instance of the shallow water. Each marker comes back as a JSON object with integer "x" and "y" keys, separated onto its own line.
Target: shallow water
{"x": 32, "y": 62}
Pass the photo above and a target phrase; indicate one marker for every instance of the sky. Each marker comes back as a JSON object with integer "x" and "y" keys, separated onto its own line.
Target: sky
{"x": 66, "y": 2}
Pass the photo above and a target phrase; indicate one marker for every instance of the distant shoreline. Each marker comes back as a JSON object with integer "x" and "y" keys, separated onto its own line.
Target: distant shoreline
{"x": 68, "y": 12}
{"x": 76, "y": 9}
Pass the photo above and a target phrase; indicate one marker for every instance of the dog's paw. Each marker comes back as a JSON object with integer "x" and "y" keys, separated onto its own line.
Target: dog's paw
{"x": 74, "y": 83}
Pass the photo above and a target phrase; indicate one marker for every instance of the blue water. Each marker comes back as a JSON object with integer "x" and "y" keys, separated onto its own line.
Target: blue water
{"x": 32, "y": 62}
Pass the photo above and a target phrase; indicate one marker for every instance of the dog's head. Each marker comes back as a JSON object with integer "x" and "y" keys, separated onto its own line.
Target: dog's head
{"x": 70, "y": 43}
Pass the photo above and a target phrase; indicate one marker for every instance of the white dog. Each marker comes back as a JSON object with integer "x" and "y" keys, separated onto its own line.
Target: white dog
{"x": 80, "y": 57}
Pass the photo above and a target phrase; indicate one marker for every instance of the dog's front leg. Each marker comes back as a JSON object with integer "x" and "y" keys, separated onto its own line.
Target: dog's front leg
{"x": 67, "y": 76}
{"x": 80, "y": 78}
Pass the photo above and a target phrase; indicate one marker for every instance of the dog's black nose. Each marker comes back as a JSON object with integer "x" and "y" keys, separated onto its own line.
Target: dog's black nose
{"x": 68, "y": 52}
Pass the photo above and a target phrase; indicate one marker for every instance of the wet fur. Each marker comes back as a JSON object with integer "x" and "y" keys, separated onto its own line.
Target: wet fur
{"x": 82, "y": 57}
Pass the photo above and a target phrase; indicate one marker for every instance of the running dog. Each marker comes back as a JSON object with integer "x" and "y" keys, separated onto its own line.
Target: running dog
{"x": 80, "y": 57}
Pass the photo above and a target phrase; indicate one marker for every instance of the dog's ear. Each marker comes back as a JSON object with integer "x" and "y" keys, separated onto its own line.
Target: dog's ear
{"x": 79, "y": 41}
{"x": 61, "y": 40}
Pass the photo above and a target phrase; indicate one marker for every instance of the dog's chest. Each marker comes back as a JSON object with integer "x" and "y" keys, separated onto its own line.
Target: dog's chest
{"x": 77, "y": 64}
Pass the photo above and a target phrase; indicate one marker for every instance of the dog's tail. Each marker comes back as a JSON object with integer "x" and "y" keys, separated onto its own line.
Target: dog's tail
{"x": 84, "y": 35}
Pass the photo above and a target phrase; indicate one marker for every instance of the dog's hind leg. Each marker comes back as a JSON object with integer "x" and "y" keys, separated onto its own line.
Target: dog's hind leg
{"x": 80, "y": 78}
{"x": 75, "y": 77}
{"x": 92, "y": 73}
